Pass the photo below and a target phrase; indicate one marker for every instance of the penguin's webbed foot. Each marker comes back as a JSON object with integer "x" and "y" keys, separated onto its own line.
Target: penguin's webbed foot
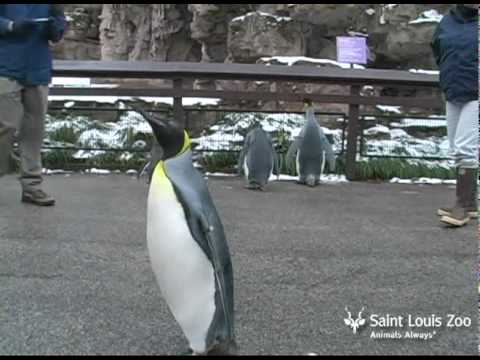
{"x": 188, "y": 352}
{"x": 253, "y": 186}
{"x": 227, "y": 348}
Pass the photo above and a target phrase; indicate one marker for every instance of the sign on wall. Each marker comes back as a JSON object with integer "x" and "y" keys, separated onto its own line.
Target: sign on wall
{"x": 352, "y": 49}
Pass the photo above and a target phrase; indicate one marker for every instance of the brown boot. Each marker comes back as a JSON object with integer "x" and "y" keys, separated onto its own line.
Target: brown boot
{"x": 37, "y": 197}
{"x": 447, "y": 211}
{"x": 466, "y": 198}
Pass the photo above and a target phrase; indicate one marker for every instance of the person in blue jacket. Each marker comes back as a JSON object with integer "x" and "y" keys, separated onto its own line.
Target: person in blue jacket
{"x": 26, "y": 31}
{"x": 455, "y": 47}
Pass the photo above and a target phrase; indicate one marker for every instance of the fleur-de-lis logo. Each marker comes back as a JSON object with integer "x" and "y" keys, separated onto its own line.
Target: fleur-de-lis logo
{"x": 354, "y": 324}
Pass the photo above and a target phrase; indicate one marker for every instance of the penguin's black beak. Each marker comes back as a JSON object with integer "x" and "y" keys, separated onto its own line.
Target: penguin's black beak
{"x": 170, "y": 135}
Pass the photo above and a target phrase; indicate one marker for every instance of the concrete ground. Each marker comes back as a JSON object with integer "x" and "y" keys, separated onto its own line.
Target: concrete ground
{"x": 76, "y": 279}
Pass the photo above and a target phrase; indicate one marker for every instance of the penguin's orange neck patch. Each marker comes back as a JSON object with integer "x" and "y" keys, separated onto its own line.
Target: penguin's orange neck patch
{"x": 187, "y": 143}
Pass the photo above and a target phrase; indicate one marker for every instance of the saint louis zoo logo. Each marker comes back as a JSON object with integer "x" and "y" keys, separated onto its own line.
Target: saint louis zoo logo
{"x": 355, "y": 324}
{"x": 413, "y": 327}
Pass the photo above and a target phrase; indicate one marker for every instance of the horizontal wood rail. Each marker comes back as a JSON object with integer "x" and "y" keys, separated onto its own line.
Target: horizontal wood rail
{"x": 180, "y": 72}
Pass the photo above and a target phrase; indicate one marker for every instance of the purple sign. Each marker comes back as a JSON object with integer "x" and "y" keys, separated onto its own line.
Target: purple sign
{"x": 352, "y": 50}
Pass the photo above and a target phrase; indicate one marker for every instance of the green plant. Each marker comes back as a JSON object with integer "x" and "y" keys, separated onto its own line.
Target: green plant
{"x": 221, "y": 162}
{"x": 57, "y": 159}
{"x": 65, "y": 134}
{"x": 386, "y": 169}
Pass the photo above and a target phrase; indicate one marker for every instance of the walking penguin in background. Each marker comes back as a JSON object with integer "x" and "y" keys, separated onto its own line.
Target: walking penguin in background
{"x": 310, "y": 151}
{"x": 187, "y": 247}
{"x": 257, "y": 159}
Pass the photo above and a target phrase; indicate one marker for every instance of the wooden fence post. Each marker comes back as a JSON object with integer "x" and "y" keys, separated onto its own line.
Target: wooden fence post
{"x": 352, "y": 139}
{"x": 178, "y": 112}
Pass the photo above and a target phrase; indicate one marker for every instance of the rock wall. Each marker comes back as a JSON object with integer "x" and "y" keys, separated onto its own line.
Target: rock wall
{"x": 398, "y": 34}
{"x": 81, "y": 40}
{"x": 147, "y": 32}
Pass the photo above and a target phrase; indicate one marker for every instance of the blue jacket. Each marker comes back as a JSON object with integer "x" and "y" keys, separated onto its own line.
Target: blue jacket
{"x": 455, "y": 47}
{"x": 27, "y": 58}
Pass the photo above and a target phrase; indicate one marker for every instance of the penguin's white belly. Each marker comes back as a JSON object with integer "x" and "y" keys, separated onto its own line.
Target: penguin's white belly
{"x": 183, "y": 271}
{"x": 297, "y": 162}
{"x": 245, "y": 167}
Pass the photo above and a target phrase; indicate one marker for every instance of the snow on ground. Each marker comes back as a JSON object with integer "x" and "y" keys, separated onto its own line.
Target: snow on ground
{"x": 79, "y": 123}
{"x": 55, "y": 172}
{"x": 187, "y": 101}
{"x": 95, "y": 134}
{"x": 428, "y": 72}
{"x": 132, "y": 130}
{"x": 87, "y": 154}
{"x": 71, "y": 82}
{"x": 229, "y": 132}
{"x": 326, "y": 179}
{"x": 430, "y": 16}
{"x": 407, "y": 122}
{"x": 219, "y": 174}
{"x": 292, "y": 60}
{"x": 264, "y": 14}
{"x": 389, "y": 109}
{"x": 379, "y": 129}
{"x": 423, "y": 181}
{"x": 217, "y": 141}
{"x": 100, "y": 137}
{"x": 95, "y": 171}
{"x": 390, "y": 6}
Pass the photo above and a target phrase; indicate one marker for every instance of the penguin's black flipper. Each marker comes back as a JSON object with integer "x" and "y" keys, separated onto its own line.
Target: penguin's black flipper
{"x": 224, "y": 280}
{"x": 143, "y": 170}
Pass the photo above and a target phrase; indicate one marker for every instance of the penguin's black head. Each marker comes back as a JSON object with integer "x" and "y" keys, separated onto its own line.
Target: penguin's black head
{"x": 170, "y": 136}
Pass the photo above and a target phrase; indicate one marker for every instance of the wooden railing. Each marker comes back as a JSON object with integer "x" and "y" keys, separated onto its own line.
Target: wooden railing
{"x": 180, "y": 72}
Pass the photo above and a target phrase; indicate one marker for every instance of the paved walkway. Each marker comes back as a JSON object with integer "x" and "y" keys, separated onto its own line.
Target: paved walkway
{"x": 76, "y": 279}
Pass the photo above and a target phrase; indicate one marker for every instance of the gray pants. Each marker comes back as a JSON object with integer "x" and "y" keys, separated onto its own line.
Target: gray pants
{"x": 462, "y": 123}
{"x": 22, "y": 111}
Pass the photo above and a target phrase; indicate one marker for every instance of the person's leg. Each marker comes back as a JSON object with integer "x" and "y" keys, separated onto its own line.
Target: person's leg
{"x": 466, "y": 160}
{"x": 466, "y": 137}
{"x": 10, "y": 118}
{"x": 35, "y": 100}
{"x": 453, "y": 112}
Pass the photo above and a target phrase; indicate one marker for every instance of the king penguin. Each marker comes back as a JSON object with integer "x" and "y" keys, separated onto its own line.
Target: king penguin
{"x": 257, "y": 159}
{"x": 187, "y": 247}
{"x": 310, "y": 151}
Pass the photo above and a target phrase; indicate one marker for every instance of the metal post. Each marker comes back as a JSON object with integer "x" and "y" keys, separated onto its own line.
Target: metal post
{"x": 352, "y": 139}
{"x": 178, "y": 112}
